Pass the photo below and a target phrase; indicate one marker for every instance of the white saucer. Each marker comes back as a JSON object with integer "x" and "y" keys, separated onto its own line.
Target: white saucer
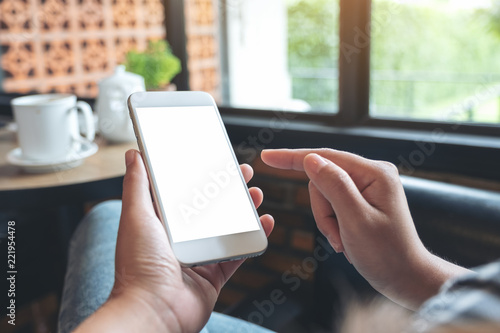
{"x": 73, "y": 159}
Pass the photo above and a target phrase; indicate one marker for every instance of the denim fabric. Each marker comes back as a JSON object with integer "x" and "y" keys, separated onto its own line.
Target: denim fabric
{"x": 91, "y": 264}
{"x": 219, "y": 323}
{"x": 90, "y": 274}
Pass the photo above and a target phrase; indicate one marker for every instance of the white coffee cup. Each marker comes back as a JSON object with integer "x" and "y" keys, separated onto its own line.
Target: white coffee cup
{"x": 48, "y": 128}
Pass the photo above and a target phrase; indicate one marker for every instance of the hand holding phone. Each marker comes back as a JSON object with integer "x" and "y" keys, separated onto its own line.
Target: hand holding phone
{"x": 198, "y": 189}
{"x": 152, "y": 291}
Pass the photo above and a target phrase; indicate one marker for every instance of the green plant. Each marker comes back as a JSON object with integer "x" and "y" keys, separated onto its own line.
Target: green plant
{"x": 157, "y": 64}
{"x": 494, "y": 13}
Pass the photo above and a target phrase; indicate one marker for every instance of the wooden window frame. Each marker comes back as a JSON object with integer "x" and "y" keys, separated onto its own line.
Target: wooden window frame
{"x": 463, "y": 149}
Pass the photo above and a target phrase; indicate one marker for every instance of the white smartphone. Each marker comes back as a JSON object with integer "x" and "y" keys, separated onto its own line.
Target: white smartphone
{"x": 198, "y": 189}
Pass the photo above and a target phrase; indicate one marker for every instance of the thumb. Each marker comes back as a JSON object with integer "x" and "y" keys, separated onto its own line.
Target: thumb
{"x": 136, "y": 196}
{"x": 336, "y": 186}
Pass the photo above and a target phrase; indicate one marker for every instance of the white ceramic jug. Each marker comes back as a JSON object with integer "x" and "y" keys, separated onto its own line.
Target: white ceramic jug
{"x": 113, "y": 119}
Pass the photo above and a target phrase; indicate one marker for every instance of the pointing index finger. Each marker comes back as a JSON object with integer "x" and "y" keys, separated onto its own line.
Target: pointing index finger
{"x": 294, "y": 158}
{"x": 360, "y": 169}
{"x": 285, "y": 158}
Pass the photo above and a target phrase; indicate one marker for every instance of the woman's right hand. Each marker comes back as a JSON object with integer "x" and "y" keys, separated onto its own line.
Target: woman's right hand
{"x": 360, "y": 207}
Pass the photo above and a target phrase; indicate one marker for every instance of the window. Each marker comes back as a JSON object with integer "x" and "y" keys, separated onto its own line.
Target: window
{"x": 429, "y": 60}
{"x": 436, "y": 60}
{"x": 366, "y": 93}
{"x": 281, "y": 54}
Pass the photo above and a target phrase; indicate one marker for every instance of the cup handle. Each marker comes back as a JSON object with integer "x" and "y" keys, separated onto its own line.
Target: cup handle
{"x": 89, "y": 120}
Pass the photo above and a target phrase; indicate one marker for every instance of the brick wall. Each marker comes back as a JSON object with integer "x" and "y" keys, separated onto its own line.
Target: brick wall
{"x": 202, "y": 33}
{"x": 286, "y": 198}
{"x": 67, "y": 46}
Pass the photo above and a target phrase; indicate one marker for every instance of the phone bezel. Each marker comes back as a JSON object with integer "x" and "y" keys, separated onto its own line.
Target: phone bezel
{"x": 206, "y": 250}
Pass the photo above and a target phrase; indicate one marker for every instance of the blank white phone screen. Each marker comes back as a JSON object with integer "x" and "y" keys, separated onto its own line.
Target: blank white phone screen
{"x": 198, "y": 184}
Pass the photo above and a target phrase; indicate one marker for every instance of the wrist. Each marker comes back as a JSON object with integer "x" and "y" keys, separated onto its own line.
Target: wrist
{"x": 425, "y": 278}
{"x": 131, "y": 311}
{"x": 443, "y": 271}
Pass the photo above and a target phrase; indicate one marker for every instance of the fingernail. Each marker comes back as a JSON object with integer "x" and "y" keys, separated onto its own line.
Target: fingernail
{"x": 318, "y": 162}
{"x": 129, "y": 157}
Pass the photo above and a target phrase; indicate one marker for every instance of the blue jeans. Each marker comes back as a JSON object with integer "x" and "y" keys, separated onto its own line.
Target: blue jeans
{"x": 91, "y": 273}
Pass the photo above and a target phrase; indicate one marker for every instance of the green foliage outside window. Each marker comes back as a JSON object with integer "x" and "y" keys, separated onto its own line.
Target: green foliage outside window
{"x": 313, "y": 47}
{"x": 440, "y": 57}
{"x": 427, "y": 58}
{"x": 493, "y": 15}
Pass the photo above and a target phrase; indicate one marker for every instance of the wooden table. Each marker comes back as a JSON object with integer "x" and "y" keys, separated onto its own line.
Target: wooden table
{"x": 99, "y": 176}
{"x": 47, "y": 209}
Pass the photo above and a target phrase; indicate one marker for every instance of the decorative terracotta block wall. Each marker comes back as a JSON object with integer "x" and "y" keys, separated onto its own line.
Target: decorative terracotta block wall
{"x": 69, "y": 45}
{"x": 202, "y": 31}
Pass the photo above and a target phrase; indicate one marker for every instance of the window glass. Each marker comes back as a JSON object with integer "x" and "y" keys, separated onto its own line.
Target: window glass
{"x": 282, "y": 54}
{"x": 436, "y": 60}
